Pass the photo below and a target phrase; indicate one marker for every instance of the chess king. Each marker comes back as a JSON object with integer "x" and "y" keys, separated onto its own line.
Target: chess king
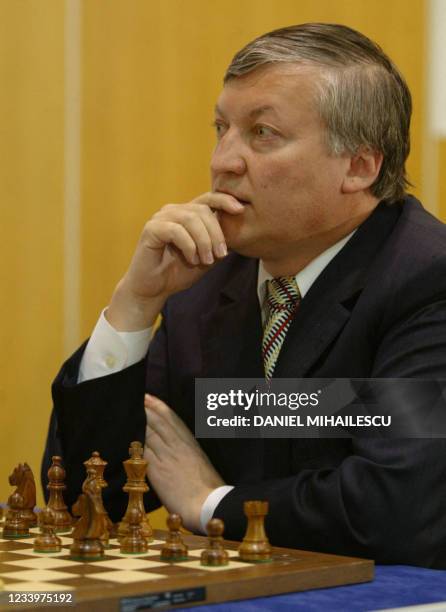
{"x": 308, "y": 227}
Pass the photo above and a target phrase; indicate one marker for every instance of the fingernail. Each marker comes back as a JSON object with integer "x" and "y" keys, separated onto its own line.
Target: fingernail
{"x": 195, "y": 259}
{"x": 221, "y": 249}
{"x": 148, "y": 398}
{"x": 208, "y": 258}
{"x": 237, "y": 204}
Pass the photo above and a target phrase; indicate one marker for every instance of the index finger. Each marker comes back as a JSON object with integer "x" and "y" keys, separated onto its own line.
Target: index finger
{"x": 220, "y": 201}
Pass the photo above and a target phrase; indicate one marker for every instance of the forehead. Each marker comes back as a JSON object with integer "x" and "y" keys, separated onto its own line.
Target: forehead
{"x": 271, "y": 88}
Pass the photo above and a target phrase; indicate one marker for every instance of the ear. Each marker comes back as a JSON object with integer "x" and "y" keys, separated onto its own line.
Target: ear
{"x": 364, "y": 168}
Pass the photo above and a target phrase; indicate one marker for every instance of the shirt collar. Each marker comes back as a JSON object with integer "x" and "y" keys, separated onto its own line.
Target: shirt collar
{"x": 306, "y": 277}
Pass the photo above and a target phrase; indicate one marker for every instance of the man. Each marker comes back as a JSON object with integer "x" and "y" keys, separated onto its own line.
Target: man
{"x": 308, "y": 196}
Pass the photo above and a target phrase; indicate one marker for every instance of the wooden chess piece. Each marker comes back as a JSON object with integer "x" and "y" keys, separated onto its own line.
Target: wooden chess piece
{"x": 174, "y": 549}
{"x": 134, "y": 542}
{"x": 215, "y": 555}
{"x": 87, "y": 545}
{"x": 95, "y": 467}
{"x": 136, "y": 486}
{"x": 16, "y": 526}
{"x": 47, "y": 541}
{"x": 23, "y": 479}
{"x": 56, "y": 485}
{"x": 255, "y": 546}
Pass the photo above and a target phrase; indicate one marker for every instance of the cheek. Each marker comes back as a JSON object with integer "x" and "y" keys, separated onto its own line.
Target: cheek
{"x": 292, "y": 198}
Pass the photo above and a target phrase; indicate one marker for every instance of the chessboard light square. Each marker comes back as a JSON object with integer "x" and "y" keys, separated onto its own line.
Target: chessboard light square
{"x": 37, "y": 575}
{"x": 125, "y": 576}
{"x": 197, "y": 552}
{"x": 210, "y": 568}
{"x": 43, "y": 563}
{"x": 115, "y": 542}
{"x": 115, "y": 552}
{"x": 65, "y": 541}
{"x": 129, "y": 563}
{"x": 30, "y": 552}
{"x": 37, "y": 586}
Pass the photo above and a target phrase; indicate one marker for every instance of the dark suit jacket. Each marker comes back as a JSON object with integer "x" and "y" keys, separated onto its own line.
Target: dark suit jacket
{"x": 377, "y": 310}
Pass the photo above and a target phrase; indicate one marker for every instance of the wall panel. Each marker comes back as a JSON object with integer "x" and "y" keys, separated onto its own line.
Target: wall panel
{"x": 31, "y": 196}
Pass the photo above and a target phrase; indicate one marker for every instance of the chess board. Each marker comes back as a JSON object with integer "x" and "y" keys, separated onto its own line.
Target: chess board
{"x": 130, "y": 582}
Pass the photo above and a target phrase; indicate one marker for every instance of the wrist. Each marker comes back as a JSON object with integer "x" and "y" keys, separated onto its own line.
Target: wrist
{"x": 129, "y": 312}
{"x": 192, "y": 519}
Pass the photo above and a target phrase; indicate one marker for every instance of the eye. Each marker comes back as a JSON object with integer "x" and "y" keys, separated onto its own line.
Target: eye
{"x": 219, "y": 127}
{"x": 263, "y": 131}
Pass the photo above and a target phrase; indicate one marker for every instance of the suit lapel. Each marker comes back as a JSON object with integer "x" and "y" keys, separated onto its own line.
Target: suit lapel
{"x": 231, "y": 334}
{"x": 326, "y": 308}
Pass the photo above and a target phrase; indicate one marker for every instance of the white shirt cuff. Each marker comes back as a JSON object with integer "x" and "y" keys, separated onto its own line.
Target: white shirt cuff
{"x": 211, "y": 502}
{"x": 109, "y": 351}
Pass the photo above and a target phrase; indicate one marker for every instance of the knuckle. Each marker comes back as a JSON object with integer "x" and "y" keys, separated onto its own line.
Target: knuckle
{"x": 188, "y": 216}
{"x": 167, "y": 207}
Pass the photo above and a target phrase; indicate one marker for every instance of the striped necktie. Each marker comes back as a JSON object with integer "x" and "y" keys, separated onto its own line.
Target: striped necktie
{"x": 283, "y": 299}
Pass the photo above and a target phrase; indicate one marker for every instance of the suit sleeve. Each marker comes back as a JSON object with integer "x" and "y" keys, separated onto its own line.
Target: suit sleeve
{"x": 103, "y": 414}
{"x": 387, "y": 500}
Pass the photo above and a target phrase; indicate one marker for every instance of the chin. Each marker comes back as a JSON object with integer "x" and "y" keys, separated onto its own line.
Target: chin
{"x": 241, "y": 236}
{"x": 248, "y": 246}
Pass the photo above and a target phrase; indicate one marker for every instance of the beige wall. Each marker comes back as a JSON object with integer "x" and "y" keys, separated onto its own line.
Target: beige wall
{"x": 31, "y": 236}
{"x": 150, "y": 74}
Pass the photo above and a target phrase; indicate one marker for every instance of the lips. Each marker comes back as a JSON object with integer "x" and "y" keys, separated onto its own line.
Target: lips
{"x": 241, "y": 198}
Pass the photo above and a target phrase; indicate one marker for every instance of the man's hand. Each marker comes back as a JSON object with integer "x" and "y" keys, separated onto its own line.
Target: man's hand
{"x": 178, "y": 470}
{"x": 177, "y": 246}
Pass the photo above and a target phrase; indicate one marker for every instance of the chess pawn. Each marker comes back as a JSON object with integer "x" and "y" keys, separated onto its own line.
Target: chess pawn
{"x": 47, "y": 541}
{"x": 56, "y": 485}
{"x": 136, "y": 468}
{"x": 174, "y": 549}
{"x": 134, "y": 542}
{"x": 215, "y": 554}
{"x": 16, "y": 526}
{"x": 255, "y": 546}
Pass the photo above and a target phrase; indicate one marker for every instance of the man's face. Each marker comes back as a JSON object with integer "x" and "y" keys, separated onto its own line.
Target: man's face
{"x": 272, "y": 153}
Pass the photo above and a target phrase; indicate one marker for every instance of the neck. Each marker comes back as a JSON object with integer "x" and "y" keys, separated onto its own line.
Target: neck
{"x": 292, "y": 262}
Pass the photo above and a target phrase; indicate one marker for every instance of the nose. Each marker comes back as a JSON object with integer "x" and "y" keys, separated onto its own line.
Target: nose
{"x": 228, "y": 157}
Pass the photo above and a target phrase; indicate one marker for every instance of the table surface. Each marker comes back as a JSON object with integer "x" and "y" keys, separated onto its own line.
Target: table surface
{"x": 394, "y": 586}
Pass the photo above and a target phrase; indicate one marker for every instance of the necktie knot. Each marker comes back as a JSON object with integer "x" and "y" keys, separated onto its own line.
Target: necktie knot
{"x": 283, "y": 293}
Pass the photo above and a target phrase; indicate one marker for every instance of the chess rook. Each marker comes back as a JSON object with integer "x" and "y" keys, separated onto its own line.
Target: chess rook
{"x": 56, "y": 485}
{"x": 255, "y": 546}
{"x": 136, "y": 468}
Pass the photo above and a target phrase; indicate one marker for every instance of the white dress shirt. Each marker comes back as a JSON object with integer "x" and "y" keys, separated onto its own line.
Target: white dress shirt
{"x": 110, "y": 351}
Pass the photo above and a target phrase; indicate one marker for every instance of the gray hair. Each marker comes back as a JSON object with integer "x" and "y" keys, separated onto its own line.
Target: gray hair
{"x": 363, "y": 99}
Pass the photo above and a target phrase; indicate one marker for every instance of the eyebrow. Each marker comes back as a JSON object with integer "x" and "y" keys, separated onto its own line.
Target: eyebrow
{"x": 255, "y": 112}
